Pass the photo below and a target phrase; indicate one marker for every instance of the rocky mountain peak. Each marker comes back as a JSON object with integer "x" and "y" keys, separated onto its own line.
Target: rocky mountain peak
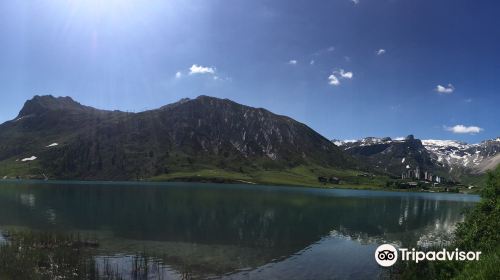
{"x": 215, "y": 101}
{"x": 40, "y": 104}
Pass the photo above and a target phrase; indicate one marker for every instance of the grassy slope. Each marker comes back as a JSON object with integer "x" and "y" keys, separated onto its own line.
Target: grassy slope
{"x": 475, "y": 180}
{"x": 258, "y": 173}
{"x": 303, "y": 175}
{"x": 15, "y": 167}
{"x": 297, "y": 176}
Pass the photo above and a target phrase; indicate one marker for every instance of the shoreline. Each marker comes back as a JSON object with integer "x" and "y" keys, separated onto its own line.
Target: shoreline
{"x": 227, "y": 182}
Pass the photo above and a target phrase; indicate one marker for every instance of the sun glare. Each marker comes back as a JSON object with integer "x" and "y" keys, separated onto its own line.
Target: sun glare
{"x": 98, "y": 9}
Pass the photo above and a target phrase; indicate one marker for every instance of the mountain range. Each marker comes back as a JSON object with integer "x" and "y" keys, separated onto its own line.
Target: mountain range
{"x": 449, "y": 158}
{"x": 213, "y": 139}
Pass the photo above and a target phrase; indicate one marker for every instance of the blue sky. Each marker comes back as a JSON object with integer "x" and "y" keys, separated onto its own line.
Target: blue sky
{"x": 348, "y": 69}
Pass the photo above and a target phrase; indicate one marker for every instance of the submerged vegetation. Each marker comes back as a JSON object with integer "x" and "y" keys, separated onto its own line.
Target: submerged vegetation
{"x": 479, "y": 232}
{"x": 30, "y": 255}
{"x": 50, "y": 255}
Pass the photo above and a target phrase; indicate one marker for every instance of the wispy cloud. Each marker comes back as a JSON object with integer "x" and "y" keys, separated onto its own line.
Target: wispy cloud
{"x": 380, "y": 51}
{"x": 224, "y": 78}
{"x": 356, "y": 2}
{"x": 336, "y": 76}
{"x": 178, "y": 75}
{"x": 395, "y": 108}
{"x": 293, "y": 62}
{"x": 312, "y": 62}
{"x": 462, "y": 129}
{"x": 445, "y": 89}
{"x": 324, "y": 51}
{"x": 198, "y": 69}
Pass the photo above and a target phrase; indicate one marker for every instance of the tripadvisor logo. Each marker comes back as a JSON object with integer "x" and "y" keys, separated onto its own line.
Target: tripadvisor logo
{"x": 386, "y": 255}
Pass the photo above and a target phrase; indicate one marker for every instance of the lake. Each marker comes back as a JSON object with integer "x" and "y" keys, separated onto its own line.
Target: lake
{"x": 216, "y": 231}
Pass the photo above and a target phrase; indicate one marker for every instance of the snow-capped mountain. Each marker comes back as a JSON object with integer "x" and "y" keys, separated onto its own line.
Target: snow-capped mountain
{"x": 434, "y": 154}
{"x": 393, "y": 156}
{"x": 478, "y": 157}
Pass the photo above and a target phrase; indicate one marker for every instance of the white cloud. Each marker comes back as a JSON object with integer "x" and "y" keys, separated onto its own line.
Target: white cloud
{"x": 198, "y": 69}
{"x": 292, "y": 62}
{"x": 336, "y": 76}
{"x": 381, "y": 51}
{"x": 345, "y": 75}
{"x": 312, "y": 62}
{"x": 462, "y": 129}
{"x": 356, "y": 2}
{"x": 333, "y": 80}
{"x": 445, "y": 89}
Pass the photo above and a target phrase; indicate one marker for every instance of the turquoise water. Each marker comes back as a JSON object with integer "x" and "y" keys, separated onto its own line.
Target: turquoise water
{"x": 235, "y": 231}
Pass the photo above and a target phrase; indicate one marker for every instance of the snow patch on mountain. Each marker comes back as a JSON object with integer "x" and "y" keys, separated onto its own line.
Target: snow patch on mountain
{"x": 443, "y": 143}
{"x": 32, "y": 158}
{"x": 343, "y": 142}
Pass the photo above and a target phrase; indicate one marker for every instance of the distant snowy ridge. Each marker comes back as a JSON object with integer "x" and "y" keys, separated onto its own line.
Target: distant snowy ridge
{"x": 455, "y": 153}
{"x": 342, "y": 142}
{"x": 366, "y": 141}
{"x": 450, "y": 153}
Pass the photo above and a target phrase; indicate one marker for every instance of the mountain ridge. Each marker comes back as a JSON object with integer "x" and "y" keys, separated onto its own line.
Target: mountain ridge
{"x": 448, "y": 155}
{"x": 70, "y": 140}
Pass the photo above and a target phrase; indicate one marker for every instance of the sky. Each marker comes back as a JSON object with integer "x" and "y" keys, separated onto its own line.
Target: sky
{"x": 346, "y": 68}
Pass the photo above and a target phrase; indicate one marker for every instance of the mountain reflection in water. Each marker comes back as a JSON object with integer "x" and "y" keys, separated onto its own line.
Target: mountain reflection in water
{"x": 235, "y": 231}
